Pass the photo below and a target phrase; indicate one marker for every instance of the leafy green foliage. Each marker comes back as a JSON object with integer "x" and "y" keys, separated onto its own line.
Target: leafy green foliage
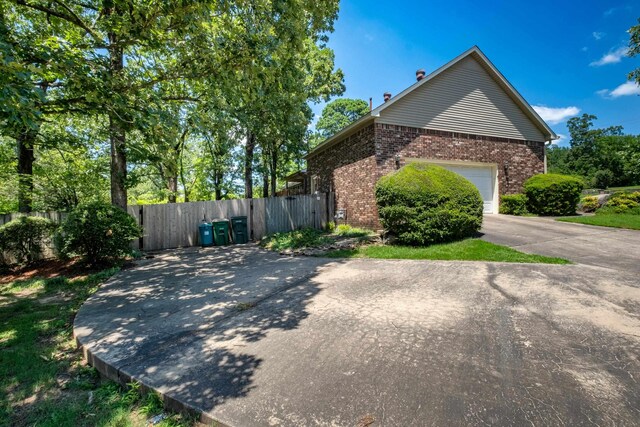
{"x": 634, "y": 49}
{"x": 465, "y": 250}
{"x": 589, "y": 204}
{"x": 43, "y": 380}
{"x": 603, "y": 179}
{"x": 304, "y": 238}
{"x": 604, "y": 157}
{"x": 553, "y": 194}
{"x": 22, "y": 238}
{"x": 422, "y": 204}
{"x": 174, "y": 87}
{"x": 622, "y": 202}
{"x": 98, "y": 232}
{"x": 337, "y": 115}
{"x": 345, "y": 230}
{"x": 513, "y": 204}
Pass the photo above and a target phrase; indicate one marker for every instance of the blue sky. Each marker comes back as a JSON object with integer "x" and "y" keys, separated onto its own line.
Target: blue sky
{"x": 566, "y": 56}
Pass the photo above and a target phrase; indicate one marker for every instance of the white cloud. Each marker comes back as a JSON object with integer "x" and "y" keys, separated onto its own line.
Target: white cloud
{"x": 612, "y": 57}
{"x": 610, "y": 12}
{"x": 598, "y": 35}
{"x": 560, "y": 140}
{"x": 584, "y": 48}
{"x": 555, "y": 115}
{"x": 625, "y": 89}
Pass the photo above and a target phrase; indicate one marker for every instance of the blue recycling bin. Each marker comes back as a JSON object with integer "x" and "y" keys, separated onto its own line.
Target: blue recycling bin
{"x": 206, "y": 234}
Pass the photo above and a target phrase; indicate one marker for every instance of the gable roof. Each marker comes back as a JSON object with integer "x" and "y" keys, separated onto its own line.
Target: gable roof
{"x": 480, "y": 57}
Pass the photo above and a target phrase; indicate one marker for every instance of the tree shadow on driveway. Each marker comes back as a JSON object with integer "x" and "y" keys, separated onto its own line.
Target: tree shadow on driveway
{"x": 177, "y": 322}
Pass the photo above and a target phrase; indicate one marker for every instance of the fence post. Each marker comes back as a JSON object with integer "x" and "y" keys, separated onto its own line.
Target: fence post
{"x": 141, "y": 239}
{"x": 327, "y": 209}
{"x": 251, "y": 219}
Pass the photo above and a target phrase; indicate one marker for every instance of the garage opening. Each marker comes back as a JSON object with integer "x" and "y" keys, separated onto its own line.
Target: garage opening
{"x": 483, "y": 176}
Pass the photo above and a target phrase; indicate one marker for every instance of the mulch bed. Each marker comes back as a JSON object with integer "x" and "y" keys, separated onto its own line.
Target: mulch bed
{"x": 47, "y": 269}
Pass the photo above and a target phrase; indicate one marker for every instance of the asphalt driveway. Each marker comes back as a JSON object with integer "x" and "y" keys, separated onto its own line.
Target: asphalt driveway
{"x": 586, "y": 244}
{"x": 253, "y": 339}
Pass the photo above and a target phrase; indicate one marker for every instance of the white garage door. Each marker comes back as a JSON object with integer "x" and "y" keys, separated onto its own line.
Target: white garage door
{"x": 481, "y": 177}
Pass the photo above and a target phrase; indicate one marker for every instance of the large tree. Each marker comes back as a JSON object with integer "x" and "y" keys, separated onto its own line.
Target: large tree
{"x": 582, "y": 159}
{"x": 140, "y": 69}
{"x": 33, "y": 63}
{"x": 339, "y": 114}
{"x": 126, "y": 49}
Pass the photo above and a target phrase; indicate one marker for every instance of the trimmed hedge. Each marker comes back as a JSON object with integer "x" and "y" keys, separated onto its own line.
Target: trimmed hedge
{"x": 513, "y": 204}
{"x": 553, "y": 194}
{"x": 22, "y": 238}
{"x": 98, "y": 232}
{"x": 422, "y": 204}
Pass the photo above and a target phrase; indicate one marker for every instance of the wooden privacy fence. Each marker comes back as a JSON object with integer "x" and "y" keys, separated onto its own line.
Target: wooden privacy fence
{"x": 174, "y": 225}
{"x": 56, "y": 217}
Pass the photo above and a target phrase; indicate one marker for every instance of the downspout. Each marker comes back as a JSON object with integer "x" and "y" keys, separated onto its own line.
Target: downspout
{"x": 548, "y": 144}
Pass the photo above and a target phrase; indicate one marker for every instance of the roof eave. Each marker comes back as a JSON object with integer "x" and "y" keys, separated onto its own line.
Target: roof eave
{"x": 346, "y": 131}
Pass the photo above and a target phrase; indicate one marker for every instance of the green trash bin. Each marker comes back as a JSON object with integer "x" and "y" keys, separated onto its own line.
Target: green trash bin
{"x": 239, "y": 229}
{"x": 221, "y": 232}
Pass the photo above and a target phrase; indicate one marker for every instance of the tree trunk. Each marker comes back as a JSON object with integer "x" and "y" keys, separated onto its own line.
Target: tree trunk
{"x": 26, "y": 158}
{"x": 248, "y": 165}
{"x": 117, "y": 133}
{"x": 274, "y": 168}
{"x": 265, "y": 184}
{"x": 172, "y": 186}
{"x": 218, "y": 184}
{"x": 265, "y": 177}
{"x": 185, "y": 188}
{"x": 117, "y": 137}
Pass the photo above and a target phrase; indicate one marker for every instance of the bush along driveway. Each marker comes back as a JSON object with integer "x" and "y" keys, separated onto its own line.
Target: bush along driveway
{"x": 244, "y": 336}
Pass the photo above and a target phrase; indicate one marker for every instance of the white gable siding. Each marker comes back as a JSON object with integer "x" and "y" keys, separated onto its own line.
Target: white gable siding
{"x": 463, "y": 99}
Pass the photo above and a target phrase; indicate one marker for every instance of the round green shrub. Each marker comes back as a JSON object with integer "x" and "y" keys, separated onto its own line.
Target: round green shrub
{"x": 98, "y": 232}
{"x": 589, "y": 204}
{"x": 513, "y": 204}
{"x": 603, "y": 178}
{"x": 553, "y": 194}
{"x": 21, "y": 239}
{"x": 422, "y": 204}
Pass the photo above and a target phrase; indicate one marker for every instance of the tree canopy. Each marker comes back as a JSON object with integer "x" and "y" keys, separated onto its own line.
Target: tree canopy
{"x": 634, "y": 49}
{"x": 594, "y": 153}
{"x": 169, "y": 100}
{"x": 339, "y": 114}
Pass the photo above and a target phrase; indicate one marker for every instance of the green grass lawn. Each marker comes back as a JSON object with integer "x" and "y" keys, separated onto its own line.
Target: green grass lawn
{"x": 625, "y": 189}
{"x": 44, "y": 380}
{"x": 465, "y": 250}
{"x": 607, "y": 220}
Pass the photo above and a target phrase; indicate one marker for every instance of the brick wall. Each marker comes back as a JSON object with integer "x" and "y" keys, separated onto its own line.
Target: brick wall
{"x": 348, "y": 168}
{"x": 517, "y": 160}
{"x": 352, "y": 166}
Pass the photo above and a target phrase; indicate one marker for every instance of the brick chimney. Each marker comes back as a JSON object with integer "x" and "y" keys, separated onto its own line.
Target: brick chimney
{"x": 420, "y": 74}
{"x": 387, "y": 96}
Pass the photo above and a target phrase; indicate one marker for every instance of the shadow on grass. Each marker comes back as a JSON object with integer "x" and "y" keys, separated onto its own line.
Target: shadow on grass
{"x": 38, "y": 360}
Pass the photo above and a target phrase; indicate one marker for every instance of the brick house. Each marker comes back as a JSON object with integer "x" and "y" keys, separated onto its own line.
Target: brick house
{"x": 464, "y": 116}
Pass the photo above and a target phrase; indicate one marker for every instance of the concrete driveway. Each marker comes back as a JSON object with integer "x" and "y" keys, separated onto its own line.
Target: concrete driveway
{"x": 602, "y": 246}
{"x": 253, "y": 339}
